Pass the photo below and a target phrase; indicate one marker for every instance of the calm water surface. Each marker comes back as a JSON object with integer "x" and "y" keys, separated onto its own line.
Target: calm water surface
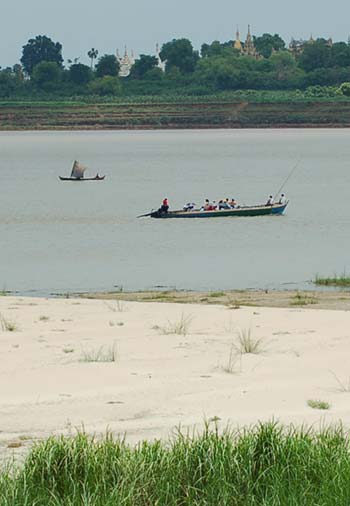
{"x": 60, "y": 236}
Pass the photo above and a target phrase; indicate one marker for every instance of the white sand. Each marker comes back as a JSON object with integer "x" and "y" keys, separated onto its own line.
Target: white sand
{"x": 160, "y": 380}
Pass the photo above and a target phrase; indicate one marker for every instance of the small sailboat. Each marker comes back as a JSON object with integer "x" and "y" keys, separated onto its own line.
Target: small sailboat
{"x": 77, "y": 174}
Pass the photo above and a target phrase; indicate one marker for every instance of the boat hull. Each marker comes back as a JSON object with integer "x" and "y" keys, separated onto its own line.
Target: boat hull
{"x": 276, "y": 209}
{"x": 100, "y": 178}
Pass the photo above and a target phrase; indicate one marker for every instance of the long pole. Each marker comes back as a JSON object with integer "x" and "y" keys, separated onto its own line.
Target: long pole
{"x": 287, "y": 179}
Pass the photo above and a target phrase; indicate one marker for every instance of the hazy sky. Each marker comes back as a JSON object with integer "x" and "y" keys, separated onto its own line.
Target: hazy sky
{"x": 109, "y": 24}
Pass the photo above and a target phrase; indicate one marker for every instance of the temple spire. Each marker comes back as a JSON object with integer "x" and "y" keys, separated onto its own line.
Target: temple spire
{"x": 249, "y": 48}
{"x": 237, "y": 43}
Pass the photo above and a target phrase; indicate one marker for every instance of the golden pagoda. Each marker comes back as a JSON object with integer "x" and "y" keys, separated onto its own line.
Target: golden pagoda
{"x": 237, "y": 43}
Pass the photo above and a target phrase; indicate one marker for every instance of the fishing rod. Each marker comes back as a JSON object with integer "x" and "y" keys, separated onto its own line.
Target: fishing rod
{"x": 287, "y": 179}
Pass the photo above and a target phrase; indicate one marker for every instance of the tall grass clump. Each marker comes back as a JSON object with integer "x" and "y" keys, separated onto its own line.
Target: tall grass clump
{"x": 180, "y": 327}
{"x": 246, "y": 343}
{"x": 234, "y": 361}
{"x": 265, "y": 465}
{"x": 7, "y": 325}
{"x": 303, "y": 299}
{"x": 102, "y": 354}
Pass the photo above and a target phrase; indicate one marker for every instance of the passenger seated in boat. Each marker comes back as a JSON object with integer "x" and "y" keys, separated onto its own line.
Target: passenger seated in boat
{"x": 223, "y": 204}
{"x": 189, "y": 206}
{"x": 208, "y": 206}
{"x": 232, "y": 203}
{"x": 165, "y": 206}
{"x": 269, "y": 201}
{"x": 282, "y": 199}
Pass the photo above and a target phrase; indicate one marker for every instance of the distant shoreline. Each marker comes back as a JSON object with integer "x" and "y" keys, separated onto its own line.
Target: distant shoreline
{"x": 178, "y": 115}
{"x": 173, "y": 127}
{"x": 335, "y": 299}
{"x": 332, "y": 298}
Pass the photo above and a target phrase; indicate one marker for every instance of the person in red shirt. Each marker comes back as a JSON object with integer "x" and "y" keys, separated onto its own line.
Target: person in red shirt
{"x": 165, "y": 206}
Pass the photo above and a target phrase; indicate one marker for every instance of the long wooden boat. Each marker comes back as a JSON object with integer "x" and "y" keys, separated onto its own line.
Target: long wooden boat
{"x": 259, "y": 210}
{"x": 96, "y": 178}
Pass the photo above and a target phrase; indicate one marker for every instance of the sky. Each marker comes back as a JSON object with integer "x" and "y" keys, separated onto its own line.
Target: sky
{"x": 107, "y": 25}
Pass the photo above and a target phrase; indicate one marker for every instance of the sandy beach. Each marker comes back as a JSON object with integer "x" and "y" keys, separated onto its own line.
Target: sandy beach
{"x": 121, "y": 366}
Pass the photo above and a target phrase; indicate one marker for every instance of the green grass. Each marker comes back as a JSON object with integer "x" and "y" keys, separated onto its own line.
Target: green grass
{"x": 178, "y": 95}
{"x": 267, "y": 465}
{"x": 301, "y": 299}
{"x": 317, "y": 404}
{"x": 68, "y": 350}
{"x": 342, "y": 280}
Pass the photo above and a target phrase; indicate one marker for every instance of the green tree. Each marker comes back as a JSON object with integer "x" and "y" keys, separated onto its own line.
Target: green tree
{"x": 107, "y": 65}
{"x": 340, "y": 55}
{"x": 218, "y": 73}
{"x": 179, "y": 53}
{"x": 316, "y": 55}
{"x": 18, "y": 71}
{"x": 155, "y": 74}
{"x": 79, "y": 73}
{"x": 41, "y": 49}
{"x": 47, "y": 76}
{"x": 283, "y": 63}
{"x": 92, "y": 54}
{"x": 142, "y": 66}
{"x": 10, "y": 84}
{"x": 107, "y": 85}
{"x": 268, "y": 43}
{"x": 217, "y": 48}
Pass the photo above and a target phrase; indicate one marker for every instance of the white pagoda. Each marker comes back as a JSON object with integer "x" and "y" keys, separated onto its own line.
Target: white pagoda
{"x": 126, "y": 62}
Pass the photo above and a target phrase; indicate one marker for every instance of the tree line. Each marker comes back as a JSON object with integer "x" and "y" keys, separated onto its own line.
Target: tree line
{"x": 308, "y": 65}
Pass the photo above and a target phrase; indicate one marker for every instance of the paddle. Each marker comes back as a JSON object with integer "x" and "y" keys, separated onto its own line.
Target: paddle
{"x": 144, "y": 215}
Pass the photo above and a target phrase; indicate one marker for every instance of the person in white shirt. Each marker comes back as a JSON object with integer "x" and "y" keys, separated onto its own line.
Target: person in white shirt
{"x": 282, "y": 199}
{"x": 269, "y": 201}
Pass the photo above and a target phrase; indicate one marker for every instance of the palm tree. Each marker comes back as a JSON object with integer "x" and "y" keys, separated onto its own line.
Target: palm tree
{"x": 92, "y": 54}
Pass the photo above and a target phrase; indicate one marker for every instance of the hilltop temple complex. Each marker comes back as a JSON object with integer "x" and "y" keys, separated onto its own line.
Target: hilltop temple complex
{"x": 246, "y": 48}
{"x": 296, "y": 47}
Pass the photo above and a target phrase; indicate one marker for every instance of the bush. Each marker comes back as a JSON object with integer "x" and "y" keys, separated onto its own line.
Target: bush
{"x": 107, "y": 85}
{"x": 345, "y": 89}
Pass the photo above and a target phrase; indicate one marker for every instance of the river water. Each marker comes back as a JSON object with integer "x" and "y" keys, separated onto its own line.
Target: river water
{"x": 60, "y": 236}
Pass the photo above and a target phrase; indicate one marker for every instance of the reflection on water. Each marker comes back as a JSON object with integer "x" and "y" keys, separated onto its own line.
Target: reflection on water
{"x": 59, "y": 236}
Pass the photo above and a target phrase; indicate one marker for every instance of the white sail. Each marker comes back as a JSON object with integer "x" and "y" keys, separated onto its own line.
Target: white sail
{"x": 78, "y": 170}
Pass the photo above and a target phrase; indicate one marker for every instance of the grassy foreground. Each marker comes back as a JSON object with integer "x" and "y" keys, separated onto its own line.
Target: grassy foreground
{"x": 268, "y": 465}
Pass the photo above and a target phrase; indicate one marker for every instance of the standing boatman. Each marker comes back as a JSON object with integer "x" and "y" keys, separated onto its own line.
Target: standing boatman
{"x": 282, "y": 199}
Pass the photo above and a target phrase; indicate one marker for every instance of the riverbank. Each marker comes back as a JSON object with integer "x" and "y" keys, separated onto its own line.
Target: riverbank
{"x": 175, "y": 115}
{"x": 313, "y": 299}
{"x": 141, "y": 369}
